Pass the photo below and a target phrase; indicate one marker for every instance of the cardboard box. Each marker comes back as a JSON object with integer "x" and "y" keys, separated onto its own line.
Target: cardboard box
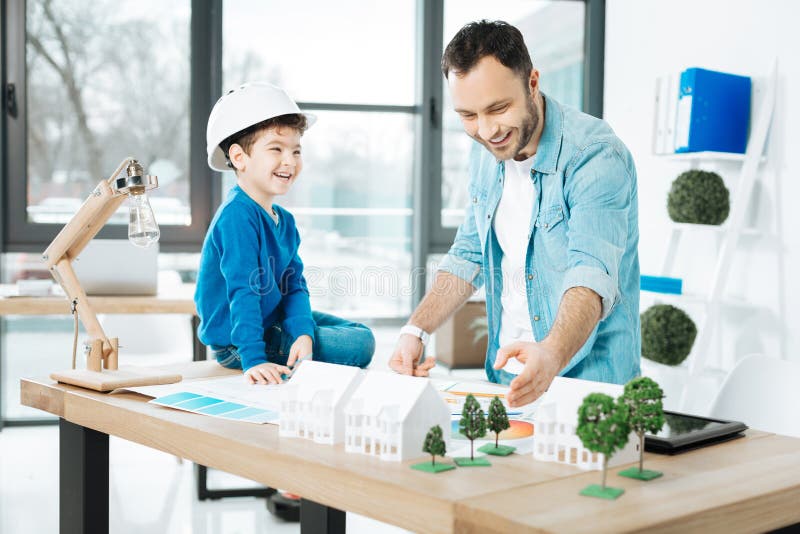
{"x": 454, "y": 339}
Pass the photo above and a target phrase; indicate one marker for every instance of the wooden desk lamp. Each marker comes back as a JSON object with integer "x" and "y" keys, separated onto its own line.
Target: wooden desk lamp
{"x": 103, "y": 352}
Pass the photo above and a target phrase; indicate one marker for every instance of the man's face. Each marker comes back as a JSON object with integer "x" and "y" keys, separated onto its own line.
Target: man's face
{"x": 496, "y": 107}
{"x": 274, "y": 162}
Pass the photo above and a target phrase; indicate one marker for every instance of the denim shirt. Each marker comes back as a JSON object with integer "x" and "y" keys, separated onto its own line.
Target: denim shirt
{"x": 583, "y": 232}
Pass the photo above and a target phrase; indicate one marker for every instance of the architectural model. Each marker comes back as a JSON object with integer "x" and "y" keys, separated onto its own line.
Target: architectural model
{"x": 556, "y": 419}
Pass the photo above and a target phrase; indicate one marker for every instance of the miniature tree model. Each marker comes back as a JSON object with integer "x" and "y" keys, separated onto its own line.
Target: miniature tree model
{"x": 473, "y": 426}
{"x": 643, "y": 397}
{"x": 435, "y": 446}
{"x": 497, "y": 422}
{"x": 603, "y": 427}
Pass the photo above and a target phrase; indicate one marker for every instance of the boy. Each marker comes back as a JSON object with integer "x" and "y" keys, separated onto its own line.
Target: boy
{"x": 251, "y": 296}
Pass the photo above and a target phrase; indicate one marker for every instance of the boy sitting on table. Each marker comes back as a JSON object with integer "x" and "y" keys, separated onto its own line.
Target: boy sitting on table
{"x": 251, "y": 296}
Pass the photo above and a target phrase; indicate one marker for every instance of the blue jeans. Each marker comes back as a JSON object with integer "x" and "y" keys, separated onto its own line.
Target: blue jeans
{"x": 335, "y": 341}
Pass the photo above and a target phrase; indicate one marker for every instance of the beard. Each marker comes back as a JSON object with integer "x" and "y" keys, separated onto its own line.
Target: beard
{"x": 529, "y": 124}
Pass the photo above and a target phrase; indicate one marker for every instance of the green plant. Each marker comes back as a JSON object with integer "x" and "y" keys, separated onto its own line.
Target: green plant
{"x": 498, "y": 419}
{"x": 667, "y": 334}
{"x": 603, "y": 426}
{"x": 434, "y": 443}
{"x": 698, "y": 197}
{"x": 643, "y": 396}
{"x": 480, "y": 328}
{"x": 472, "y": 423}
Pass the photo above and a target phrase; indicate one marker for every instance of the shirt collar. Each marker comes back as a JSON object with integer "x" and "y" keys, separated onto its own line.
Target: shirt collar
{"x": 546, "y": 157}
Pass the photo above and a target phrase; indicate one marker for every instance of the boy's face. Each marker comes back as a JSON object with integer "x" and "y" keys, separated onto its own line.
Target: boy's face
{"x": 273, "y": 164}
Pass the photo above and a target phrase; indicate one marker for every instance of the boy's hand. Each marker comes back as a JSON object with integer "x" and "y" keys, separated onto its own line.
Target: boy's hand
{"x": 302, "y": 347}
{"x": 266, "y": 373}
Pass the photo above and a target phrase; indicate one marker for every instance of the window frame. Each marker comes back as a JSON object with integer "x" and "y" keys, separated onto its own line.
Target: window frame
{"x": 441, "y": 237}
{"x": 428, "y": 234}
{"x": 20, "y": 235}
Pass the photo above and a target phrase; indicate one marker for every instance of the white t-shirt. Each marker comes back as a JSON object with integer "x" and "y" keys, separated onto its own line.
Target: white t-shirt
{"x": 511, "y": 225}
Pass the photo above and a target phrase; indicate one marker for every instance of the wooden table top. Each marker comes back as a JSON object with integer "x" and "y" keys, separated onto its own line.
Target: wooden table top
{"x": 175, "y": 299}
{"x": 515, "y": 494}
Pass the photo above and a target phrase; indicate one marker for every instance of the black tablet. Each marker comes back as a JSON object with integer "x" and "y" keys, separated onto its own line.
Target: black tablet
{"x": 683, "y": 432}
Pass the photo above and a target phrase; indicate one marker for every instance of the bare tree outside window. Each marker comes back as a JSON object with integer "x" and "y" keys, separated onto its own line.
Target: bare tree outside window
{"x": 106, "y": 82}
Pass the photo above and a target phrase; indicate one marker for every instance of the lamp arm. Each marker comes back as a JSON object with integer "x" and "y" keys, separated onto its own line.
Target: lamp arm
{"x": 72, "y": 239}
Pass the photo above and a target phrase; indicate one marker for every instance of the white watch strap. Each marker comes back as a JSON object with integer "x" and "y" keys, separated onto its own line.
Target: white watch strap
{"x": 416, "y": 332}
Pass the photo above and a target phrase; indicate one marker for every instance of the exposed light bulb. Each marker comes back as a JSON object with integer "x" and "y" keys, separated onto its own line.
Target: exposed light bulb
{"x": 142, "y": 228}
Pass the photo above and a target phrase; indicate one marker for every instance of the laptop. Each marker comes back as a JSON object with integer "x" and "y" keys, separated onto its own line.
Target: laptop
{"x": 117, "y": 267}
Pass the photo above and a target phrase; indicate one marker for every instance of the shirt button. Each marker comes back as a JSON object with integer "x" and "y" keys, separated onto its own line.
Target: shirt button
{"x": 489, "y": 216}
{"x": 545, "y": 225}
{"x": 535, "y": 317}
{"x": 474, "y": 200}
{"x": 530, "y": 277}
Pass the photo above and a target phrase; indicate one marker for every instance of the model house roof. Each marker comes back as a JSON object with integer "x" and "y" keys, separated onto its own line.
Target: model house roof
{"x": 311, "y": 377}
{"x": 565, "y": 395}
{"x": 382, "y": 390}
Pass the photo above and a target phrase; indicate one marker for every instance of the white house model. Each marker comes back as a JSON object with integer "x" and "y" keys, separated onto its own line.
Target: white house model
{"x": 389, "y": 416}
{"x": 556, "y": 419}
{"x": 313, "y": 401}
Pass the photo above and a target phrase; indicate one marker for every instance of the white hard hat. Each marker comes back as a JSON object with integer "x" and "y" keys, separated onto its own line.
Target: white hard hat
{"x": 241, "y": 108}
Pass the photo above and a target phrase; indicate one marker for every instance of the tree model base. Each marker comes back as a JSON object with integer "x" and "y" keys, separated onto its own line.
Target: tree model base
{"x": 595, "y": 490}
{"x": 467, "y": 462}
{"x": 500, "y": 450}
{"x": 432, "y": 468}
{"x": 644, "y": 474}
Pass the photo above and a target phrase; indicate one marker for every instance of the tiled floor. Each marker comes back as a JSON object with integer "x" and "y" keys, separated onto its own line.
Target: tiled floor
{"x": 150, "y": 491}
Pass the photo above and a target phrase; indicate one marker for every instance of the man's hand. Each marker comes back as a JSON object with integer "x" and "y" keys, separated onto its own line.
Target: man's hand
{"x": 266, "y": 373}
{"x": 407, "y": 353}
{"x": 302, "y": 347}
{"x": 542, "y": 364}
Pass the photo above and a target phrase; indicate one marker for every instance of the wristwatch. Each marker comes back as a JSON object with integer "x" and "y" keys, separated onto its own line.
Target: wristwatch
{"x": 416, "y": 332}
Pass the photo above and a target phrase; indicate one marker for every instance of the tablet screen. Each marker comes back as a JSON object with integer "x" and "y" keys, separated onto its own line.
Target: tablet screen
{"x": 679, "y": 424}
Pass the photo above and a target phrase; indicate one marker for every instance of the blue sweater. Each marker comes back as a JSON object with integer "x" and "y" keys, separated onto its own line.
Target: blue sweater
{"x": 250, "y": 278}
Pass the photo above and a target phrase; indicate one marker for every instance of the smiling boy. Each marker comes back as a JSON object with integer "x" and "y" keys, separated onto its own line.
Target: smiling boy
{"x": 251, "y": 296}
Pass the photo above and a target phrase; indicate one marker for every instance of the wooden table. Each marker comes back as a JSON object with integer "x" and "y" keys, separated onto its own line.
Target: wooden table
{"x": 177, "y": 299}
{"x": 513, "y": 495}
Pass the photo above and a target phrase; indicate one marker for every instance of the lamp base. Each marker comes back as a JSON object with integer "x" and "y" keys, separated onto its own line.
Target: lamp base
{"x": 124, "y": 377}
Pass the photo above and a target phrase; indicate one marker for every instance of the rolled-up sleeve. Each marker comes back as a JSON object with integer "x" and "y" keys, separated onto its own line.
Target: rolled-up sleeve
{"x": 598, "y": 192}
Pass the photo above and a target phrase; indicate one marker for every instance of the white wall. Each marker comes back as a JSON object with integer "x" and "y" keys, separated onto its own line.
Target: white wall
{"x": 647, "y": 38}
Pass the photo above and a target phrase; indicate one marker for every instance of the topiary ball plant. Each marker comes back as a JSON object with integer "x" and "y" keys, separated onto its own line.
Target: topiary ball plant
{"x": 667, "y": 334}
{"x": 699, "y": 197}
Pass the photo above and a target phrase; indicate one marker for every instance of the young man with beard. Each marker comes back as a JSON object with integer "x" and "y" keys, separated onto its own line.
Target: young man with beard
{"x": 551, "y": 228}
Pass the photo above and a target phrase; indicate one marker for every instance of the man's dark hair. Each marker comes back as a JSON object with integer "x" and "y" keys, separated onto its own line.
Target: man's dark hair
{"x": 484, "y": 38}
{"x": 245, "y": 138}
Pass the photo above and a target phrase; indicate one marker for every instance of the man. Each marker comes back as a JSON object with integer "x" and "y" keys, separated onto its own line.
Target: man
{"x": 551, "y": 228}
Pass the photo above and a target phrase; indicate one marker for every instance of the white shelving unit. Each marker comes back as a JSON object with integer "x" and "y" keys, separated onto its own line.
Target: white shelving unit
{"x": 728, "y": 233}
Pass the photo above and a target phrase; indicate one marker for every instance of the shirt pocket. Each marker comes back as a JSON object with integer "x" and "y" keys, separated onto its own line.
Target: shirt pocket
{"x": 551, "y": 243}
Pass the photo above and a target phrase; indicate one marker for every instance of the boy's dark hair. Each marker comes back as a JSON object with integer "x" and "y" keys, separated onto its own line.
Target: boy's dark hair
{"x": 245, "y": 138}
{"x": 477, "y": 40}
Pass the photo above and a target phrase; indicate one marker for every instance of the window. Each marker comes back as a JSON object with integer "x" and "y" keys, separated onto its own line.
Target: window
{"x": 352, "y": 202}
{"x": 553, "y": 31}
{"x": 93, "y": 86}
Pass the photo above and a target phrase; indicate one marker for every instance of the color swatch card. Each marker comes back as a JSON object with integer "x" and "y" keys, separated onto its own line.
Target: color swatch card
{"x": 229, "y": 397}
{"x": 193, "y": 402}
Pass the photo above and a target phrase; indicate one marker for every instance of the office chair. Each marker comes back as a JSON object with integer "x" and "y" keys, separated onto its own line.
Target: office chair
{"x": 761, "y": 392}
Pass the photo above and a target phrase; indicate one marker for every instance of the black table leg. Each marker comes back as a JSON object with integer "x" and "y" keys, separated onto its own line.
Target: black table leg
{"x": 83, "y": 479}
{"x": 198, "y": 349}
{"x": 320, "y": 519}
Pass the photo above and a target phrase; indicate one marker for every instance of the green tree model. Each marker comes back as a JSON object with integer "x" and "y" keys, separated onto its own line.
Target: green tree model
{"x": 472, "y": 423}
{"x": 643, "y": 397}
{"x": 603, "y": 427}
{"x": 497, "y": 422}
{"x": 498, "y": 419}
{"x": 434, "y": 443}
{"x": 435, "y": 446}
